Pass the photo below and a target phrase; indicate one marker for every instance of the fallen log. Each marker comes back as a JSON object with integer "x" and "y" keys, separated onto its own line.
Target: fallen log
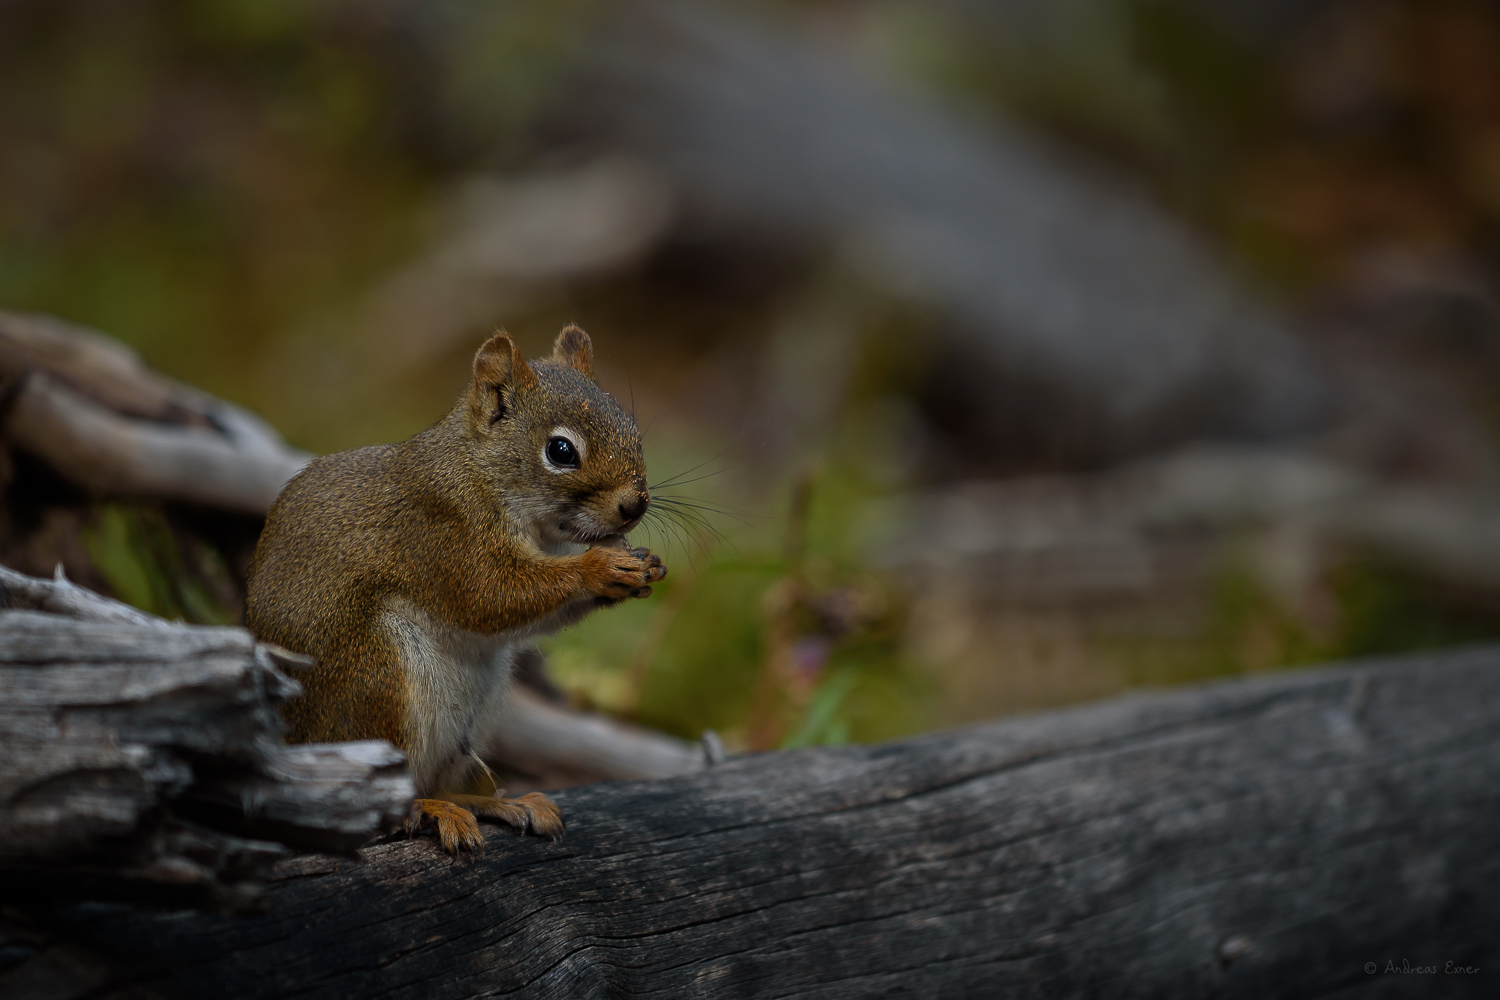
{"x": 1296, "y": 834}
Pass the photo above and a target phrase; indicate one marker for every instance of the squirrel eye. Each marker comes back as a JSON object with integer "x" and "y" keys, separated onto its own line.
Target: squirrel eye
{"x": 560, "y": 451}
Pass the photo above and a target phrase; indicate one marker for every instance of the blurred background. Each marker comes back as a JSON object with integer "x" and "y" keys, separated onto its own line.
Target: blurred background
{"x": 991, "y": 354}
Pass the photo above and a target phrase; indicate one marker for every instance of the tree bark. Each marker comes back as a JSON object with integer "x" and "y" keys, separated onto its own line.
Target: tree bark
{"x": 143, "y": 758}
{"x": 1276, "y": 836}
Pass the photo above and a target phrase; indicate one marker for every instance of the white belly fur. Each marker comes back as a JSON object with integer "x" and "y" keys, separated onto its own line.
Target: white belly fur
{"x": 455, "y": 683}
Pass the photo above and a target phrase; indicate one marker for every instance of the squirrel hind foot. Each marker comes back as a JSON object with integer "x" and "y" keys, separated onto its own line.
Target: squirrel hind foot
{"x": 531, "y": 813}
{"x": 456, "y": 827}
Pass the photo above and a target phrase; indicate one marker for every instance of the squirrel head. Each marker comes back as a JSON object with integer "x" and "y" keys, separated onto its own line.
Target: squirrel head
{"x": 563, "y": 454}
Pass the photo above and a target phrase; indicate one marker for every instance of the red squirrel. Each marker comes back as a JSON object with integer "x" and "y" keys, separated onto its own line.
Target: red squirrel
{"x": 413, "y": 572}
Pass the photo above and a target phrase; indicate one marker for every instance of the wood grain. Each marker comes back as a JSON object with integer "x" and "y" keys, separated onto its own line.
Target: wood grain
{"x": 144, "y": 758}
{"x": 1261, "y": 838}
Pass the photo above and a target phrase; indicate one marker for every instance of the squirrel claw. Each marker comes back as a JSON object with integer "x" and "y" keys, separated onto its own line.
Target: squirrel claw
{"x": 457, "y": 829}
{"x": 530, "y": 813}
{"x": 655, "y": 570}
{"x": 627, "y": 573}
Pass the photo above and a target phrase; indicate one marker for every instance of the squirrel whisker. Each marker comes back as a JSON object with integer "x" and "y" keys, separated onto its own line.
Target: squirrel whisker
{"x": 671, "y": 531}
{"x": 697, "y": 503}
{"x": 694, "y": 526}
{"x": 674, "y": 480}
{"x": 668, "y": 525}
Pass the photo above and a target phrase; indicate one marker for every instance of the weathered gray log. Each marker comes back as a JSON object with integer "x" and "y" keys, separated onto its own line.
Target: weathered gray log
{"x": 1272, "y": 837}
{"x": 142, "y": 756}
{"x": 89, "y": 408}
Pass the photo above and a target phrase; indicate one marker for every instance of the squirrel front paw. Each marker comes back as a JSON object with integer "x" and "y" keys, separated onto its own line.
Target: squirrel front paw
{"x": 617, "y": 574}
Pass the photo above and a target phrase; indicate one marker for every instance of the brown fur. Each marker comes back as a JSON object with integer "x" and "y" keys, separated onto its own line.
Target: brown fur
{"x": 455, "y": 525}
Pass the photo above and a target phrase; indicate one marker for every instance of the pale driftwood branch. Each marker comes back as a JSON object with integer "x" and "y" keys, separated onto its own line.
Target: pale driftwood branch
{"x": 538, "y": 737}
{"x": 1267, "y": 837}
{"x": 101, "y": 368}
{"x": 138, "y": 755}
{"x": 101, "y": 451}
{"x": 88, "y": 407}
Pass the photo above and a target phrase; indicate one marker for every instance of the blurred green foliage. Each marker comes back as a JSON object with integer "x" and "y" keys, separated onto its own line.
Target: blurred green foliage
{"x": 1370, "y": 605}
{"x": 1386, "y": 607}
{"x": 158, "y": 570}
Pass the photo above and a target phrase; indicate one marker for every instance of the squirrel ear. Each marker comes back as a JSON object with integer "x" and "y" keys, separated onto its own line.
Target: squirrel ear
{"x": 574, "y": 349}
{"x": 497, "y": 366}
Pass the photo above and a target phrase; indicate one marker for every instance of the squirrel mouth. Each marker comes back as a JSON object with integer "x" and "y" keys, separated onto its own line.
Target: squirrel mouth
{"x": 583, "y": 534}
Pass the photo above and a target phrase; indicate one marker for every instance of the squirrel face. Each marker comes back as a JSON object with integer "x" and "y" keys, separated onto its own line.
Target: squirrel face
{"x": 564, "y": 457}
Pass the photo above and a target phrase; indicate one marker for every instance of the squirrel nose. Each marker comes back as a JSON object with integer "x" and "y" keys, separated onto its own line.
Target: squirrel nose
{"x": 633, "y": 510}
